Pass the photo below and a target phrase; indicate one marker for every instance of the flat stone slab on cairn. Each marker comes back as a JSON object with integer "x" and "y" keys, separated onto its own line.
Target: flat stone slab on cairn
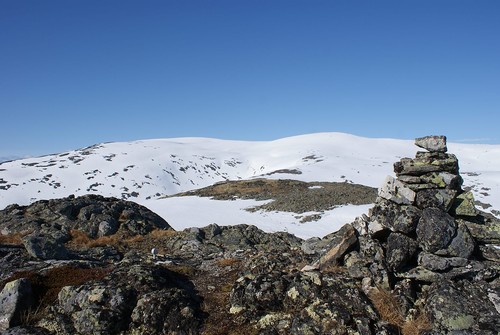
{"x": 432, "y": 143}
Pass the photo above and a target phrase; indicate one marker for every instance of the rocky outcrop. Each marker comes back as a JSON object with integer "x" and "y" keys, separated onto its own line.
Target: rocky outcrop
{"x": 423, "y": 261}
{"x": 93, "y": 214}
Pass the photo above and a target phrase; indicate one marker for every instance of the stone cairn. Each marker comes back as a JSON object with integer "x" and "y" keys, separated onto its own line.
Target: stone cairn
{"x": 424, "y": 211}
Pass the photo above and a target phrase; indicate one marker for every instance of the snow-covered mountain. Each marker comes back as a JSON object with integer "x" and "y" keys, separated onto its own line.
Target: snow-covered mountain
{"x": 145, "y": 171}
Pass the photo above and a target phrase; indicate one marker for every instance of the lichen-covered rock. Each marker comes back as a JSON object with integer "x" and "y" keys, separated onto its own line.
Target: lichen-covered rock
{"x": 427, "y": 162}
{"x": 26, "y": 331}
{"x": 432, "y": 143}
{"x": 343, "y": 241}
{"x": 435, "y": 229}
{"x": 95, "y": 215}
{"x": 301, "y": 303}
{"x": 462, "y": 244}
{"x": 463, "y": 205}
{"x": 440, "y": 198}
{"x": 486, "y": 232}
{"x": 400, "y": 250}
{"x": 463, "y": 307}
{"x": 398, "y": 218}
{"x": 165, "y": 311}
{"x": 134, "y": 298}
{"x": 395, "y": 191}
{"x": 437, "y": 263}
{"x": 97, "y": 309}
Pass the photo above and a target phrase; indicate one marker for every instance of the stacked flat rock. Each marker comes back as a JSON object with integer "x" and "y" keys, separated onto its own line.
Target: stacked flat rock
{"x": 420, "y": 210}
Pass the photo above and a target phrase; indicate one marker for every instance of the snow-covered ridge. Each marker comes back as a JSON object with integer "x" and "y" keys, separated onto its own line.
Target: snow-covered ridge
{"x": 144, "y": 171}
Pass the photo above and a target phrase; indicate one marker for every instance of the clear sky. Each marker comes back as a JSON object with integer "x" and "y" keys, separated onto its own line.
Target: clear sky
{"x": 74, "y": 73}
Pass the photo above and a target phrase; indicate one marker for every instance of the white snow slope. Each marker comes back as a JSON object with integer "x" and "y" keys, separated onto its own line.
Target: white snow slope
{"x": 145, "y": 171}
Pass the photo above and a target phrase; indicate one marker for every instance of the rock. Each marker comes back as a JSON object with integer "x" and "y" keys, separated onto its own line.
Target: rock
{"x": 440, "y": 198}
{"x": 395, "y": 191}
{"x": 436, "y": 263}
{"x": 462, "y": 245}
{"x": 107, "y": 228}
{"x": 463, "y": 205}
{"x": 331, "y": 302}
{"x": 398, "y": 218}
{"x": 16, "y": 298}
{"x": 484, "y": 233}
{"x": 444, "y": 179}
{"x": 165, "y": 311}
{"x": 462, "y": 307}
{"x": 87, "y": 213}
{"x": 432, "y": 143}
{"x": 400, "y": 250}
{"x": 344, "y": 240}
{"x": 435, "y": 229}
{"x": 135, "y": 298}
{"x": 490, "y": 252}
{"x": 26, "y": 331}
{"x": 45, "y": 247}
{"x": 427, "y": 162}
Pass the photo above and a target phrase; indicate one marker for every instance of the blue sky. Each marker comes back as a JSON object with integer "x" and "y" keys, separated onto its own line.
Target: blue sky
{"x": 75, "y": 73}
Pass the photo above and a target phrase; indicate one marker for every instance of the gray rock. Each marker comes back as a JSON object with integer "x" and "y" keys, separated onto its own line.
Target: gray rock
{"x": 490, "y": 252}
{"x": 400, "y": 250}
{"x": 462, "y": 307}
{"x": 487, "y": 232}
{"x": 16, "y": 298}
{"x": 438, "y": 179}
{"x": 86, "y": 213}
{"x": 97, "y": 309}
{"x": 435, "y": 229}
{"x": 421, "y": 274}
{"x": 165, "y": 312}
{"x": 427, "y": 162}
{"x": 436, "y": 263}
{"x": 26, "y": 331}
{"x": 432, "y": 143}
{"x": 107, "y": 228}
{"x": 440, "y": 198}
{"x": 300, "y": 304}
{"x": 45, "y": 247}
{"x": 398, "y": 218}
{"x": 395, "y": 191}
{"x": 463, "y": 205}
{"x": 462, "y": 245}
{"x": 344, "y": 240}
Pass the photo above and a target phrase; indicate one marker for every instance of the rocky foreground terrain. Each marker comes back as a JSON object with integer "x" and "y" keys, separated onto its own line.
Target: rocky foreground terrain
{"x": 423, "y": 261}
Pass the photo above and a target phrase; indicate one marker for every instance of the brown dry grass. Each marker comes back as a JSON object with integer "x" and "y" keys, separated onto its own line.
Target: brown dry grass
{"x": 228, "y": 262}
{"x": 81, "y": 239}
{"x": 13, "y": 239}
{"x": 416, "y": 325}
{"x": 390, "y": 310}
{"x": 159, "y": 234}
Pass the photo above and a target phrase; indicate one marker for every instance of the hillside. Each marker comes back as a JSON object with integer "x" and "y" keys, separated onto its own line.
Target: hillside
{"x": 151, "y": 172}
